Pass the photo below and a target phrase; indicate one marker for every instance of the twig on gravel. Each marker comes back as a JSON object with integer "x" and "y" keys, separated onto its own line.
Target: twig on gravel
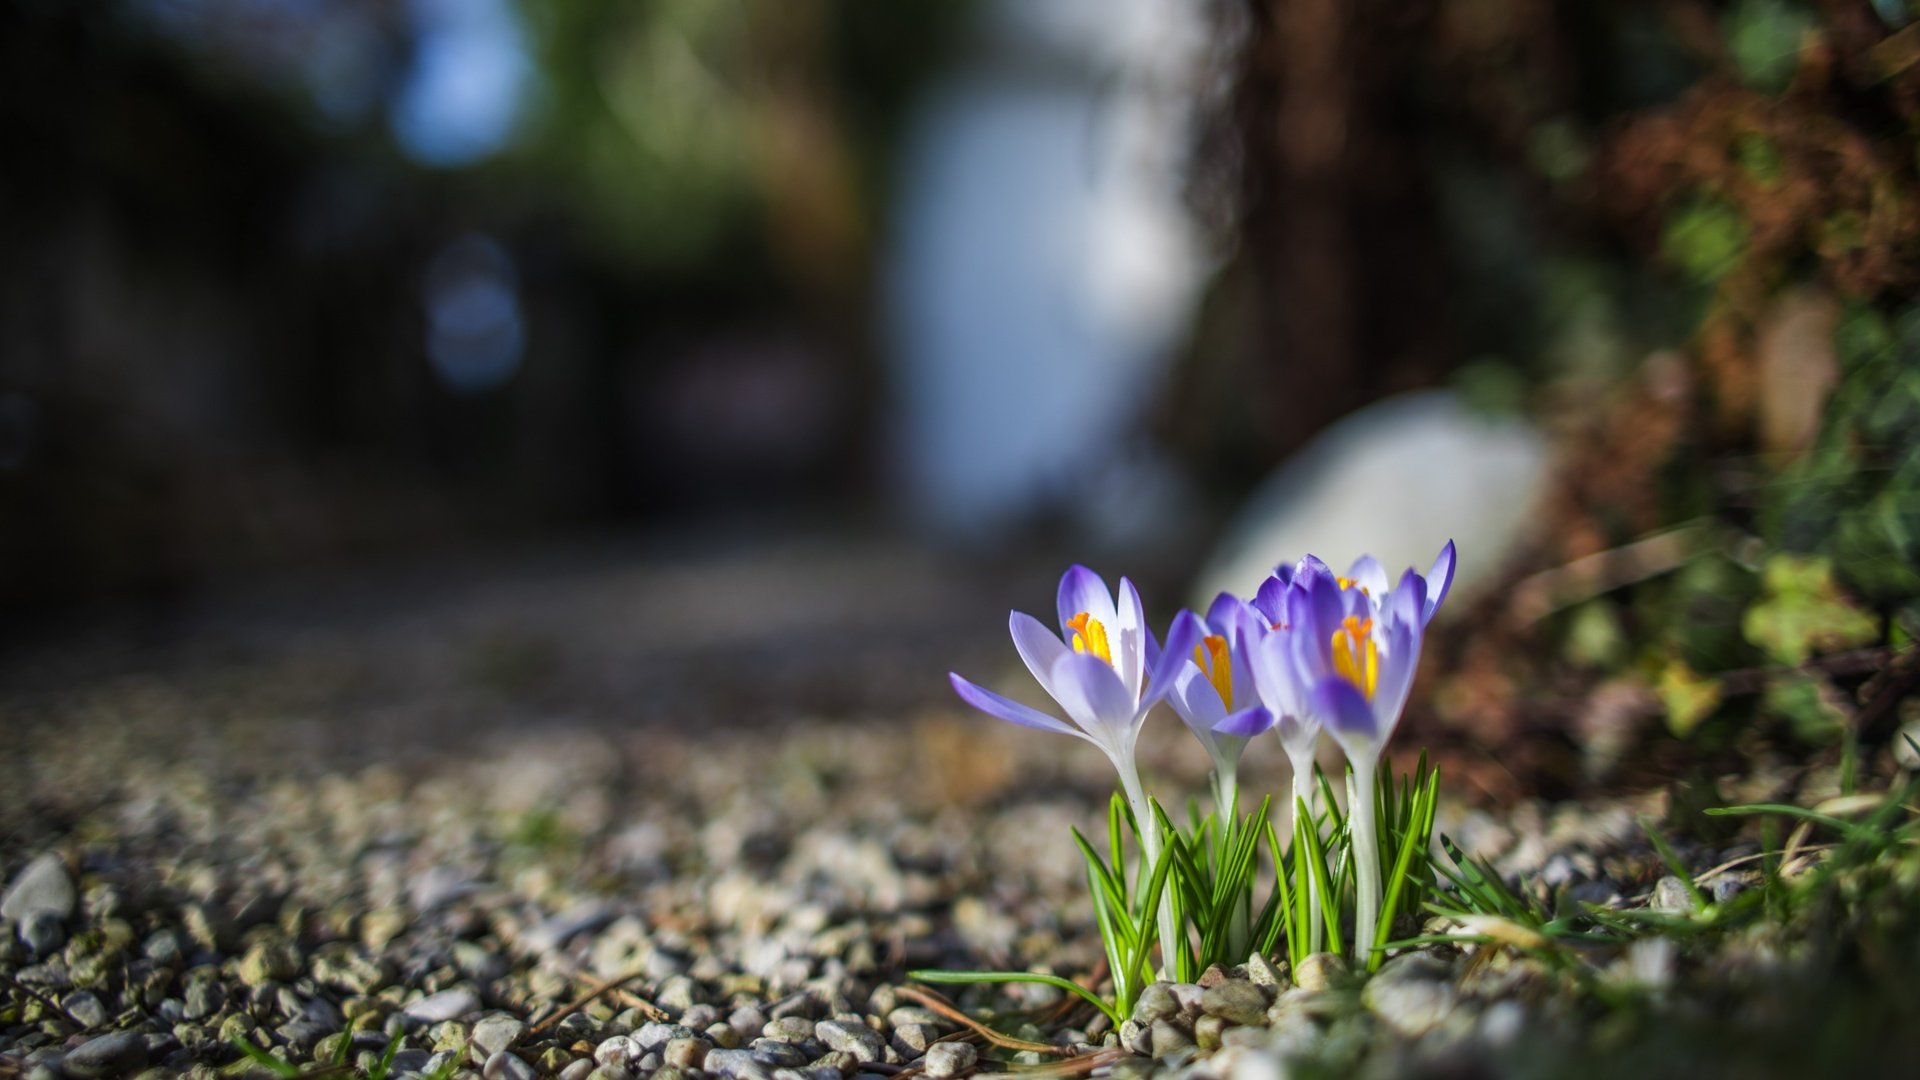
{"x": 634, "y": 1001}
{"x": 577, "y": 1004}
{"x": 48, "y": 1002}
{"x": 947, "y": 1009}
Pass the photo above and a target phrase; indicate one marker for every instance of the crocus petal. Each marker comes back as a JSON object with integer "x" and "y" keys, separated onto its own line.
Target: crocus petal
{"x": 1182, "y": 636}
{"x": 1309, "y": 569}
{"x": 1246, "y": 723}
{"x": 1007, "y": 709}
{"x": 1347, "y": 715}
{"x": 1408, "y": 602}
{"x": 1091, "y": 693}
{"x": 1196, "y": 700}
{"x": 1439, "y": 581}
{"x": 1399, "y": 662}
{"x": 1271, "y": 600}
{"x": 1273, "y": 671}
{"x": 1037, "y": 646}
{"x": 1368, "y": 574}
{"x": 1083, "y": 590}
{"x": 1127, "y": 635}
{"x": 1230, "y": 617}
{"x": 1314, "y": 613}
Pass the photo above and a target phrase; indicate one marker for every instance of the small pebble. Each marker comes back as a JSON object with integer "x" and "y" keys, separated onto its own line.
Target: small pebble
{"x": 445, "y": 1005}
{"x": 108, "y": 1055}
{"x": 506, "y": 1066}
{"x": 1319, "y": 971}
{"x": 950, "y": 1059}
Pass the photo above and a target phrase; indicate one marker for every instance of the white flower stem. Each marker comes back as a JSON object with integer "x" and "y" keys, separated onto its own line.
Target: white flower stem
{"x": 1303, "y": 792}
{"x": 1149, "y": 823}
{"x": 1366, "y": 860}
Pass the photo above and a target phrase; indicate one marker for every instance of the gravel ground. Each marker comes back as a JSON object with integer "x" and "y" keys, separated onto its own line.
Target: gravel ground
{"x": 370, "y": 829}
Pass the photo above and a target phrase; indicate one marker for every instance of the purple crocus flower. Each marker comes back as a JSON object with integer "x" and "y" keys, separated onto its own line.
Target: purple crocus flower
{"x": 1214, "y": 692}
{"x": 1354, "y": 645}
{"x": 1104, "y": 667}
{"x": 1107, "y": 672}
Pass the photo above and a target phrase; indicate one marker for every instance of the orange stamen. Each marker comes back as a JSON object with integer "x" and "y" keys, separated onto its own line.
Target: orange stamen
{"x": 1211, "y": 657}
{"x": 1089, "y": 636}
{"x": 1355, "y": 656}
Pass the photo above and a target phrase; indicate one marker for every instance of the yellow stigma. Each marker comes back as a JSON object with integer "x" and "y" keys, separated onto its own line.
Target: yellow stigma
{"x": 1348, "y": 583}
{"x": 1355, "y": 657}
{"x": 1090, "y": 637}
{"x": 1211, "y": 657}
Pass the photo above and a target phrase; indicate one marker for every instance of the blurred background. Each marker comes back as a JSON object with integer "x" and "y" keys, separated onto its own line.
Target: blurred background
{"x": 424, "y": 364}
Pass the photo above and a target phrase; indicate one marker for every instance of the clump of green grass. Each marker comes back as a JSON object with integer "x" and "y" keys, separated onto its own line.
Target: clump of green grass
{"x": 338, "y": 1067}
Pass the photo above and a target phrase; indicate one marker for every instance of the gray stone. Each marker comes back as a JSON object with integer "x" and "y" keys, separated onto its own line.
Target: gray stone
{"x": 1235, "y": 1001}
{"x": 445, "y": 1005}
{"x": 505, "y": 1066}
{"x": 304, "y": 1034}
{"x": 162, "y": 947}
{"x": 677, "y": 994}
{"x": 914, "y": 1014}
{"x": 1156, "y": 1002}
{"x": 950, "y": 1059}
{"x": 579, "y": 919}
{"x": 1264, "y": 974}
{"x": 1410, "y": 997}
{"x": 686, "y": 1053}
{"x": 916, "y": 1037}
{"x": 109, "y": 1055}
{"x": 43, "y": 886}
{"x": 43, "y": 932}
{"x": 86, "y": 1008}
{"x": 269, "y": 961}
{"x": 1207, "y": 1031}
{"x": 1168, "y": 1039}
{"x": 738, "y": 1065}
{"x": 579, "y": 1070}
{"x": 655, "y": 1035}
{"x": 860, "y": 1041}
{"x": 1136, "y": 1036}
{"x": 203, "y": 997}
{"x": 811, "y": 1072}
{"x": 839, "y": 1060}
{"x": 1456, "y": 473}
{"x": 617, "y": 1051}
{"x": 780, "y": 1054}
{"x": 1188, "y": 995}
{"x": 1671, "y": 894}
{"x": 788, "y": 1029}
{"x": 724, "y": 1036}
{"x": 492, "y": 1034}
{"x": 1319, "y": 971}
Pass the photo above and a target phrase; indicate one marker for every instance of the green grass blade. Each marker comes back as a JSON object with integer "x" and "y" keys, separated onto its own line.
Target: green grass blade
{"x": 1851, "y": 830}
{"x": 385, "y": 1064}
{"x": 265, "y": 1060}
{"x": 1700, "y": 899}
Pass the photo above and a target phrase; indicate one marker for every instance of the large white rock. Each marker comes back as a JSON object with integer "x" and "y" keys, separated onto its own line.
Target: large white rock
{"x": 1397, "y": 479}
